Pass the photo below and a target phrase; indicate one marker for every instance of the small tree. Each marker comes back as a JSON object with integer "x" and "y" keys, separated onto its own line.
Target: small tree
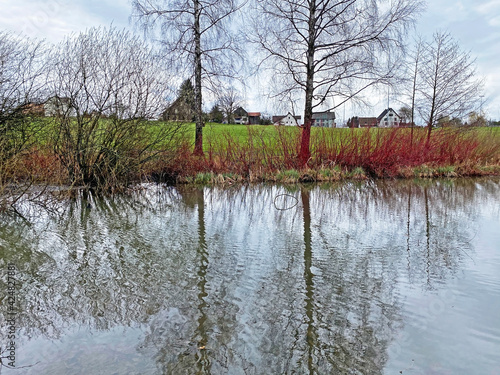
{"x": 405, "y": 113}
{"x": 183, "y": 108}
{"x": 229, "y": 100}
{"x": 186, "y": 94}
{"x": 477, "y": 119}
{"x": 216, "y": 115}
{"x": 448, "y": 84}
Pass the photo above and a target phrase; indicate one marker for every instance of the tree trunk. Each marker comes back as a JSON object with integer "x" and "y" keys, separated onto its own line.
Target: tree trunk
{"x": 414, "y": 92}
{"x": 198, "y": 145}
{"x": 436, "y": 80}
{"x": 305, "y": 152}
{"x": 431, "y": 119}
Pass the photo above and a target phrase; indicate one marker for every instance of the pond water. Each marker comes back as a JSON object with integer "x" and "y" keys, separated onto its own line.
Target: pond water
{"x": 388, "y": 277}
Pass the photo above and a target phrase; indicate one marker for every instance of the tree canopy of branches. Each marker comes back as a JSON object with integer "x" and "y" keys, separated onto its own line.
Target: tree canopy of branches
{"x": 448, "y": 84}
{"x": 105, "y": 85}
{"x": 328, "y": 48}
{"x": 196, "y": 35}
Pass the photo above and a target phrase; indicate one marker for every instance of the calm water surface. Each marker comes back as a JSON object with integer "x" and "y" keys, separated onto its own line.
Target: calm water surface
{"x": 356, "y": 278}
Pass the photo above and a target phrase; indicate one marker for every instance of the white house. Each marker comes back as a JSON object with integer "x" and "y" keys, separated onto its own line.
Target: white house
{"x": 389, "y": 119}
{"x": 288, "y": 120}
{"x": 57, "y": 106}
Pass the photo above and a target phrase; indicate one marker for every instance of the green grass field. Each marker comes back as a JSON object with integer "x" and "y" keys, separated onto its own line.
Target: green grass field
{"x": 213, "y": 132}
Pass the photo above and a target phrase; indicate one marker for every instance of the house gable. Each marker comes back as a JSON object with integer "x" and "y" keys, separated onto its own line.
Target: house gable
{"x": 389, "y": 118}
{"x": 288, "y": 120}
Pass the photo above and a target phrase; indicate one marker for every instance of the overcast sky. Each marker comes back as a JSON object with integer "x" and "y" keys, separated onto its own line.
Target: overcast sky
{"x": 474, "y": 23}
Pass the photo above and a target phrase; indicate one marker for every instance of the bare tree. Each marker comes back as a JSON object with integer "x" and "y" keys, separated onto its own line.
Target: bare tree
{"x": 328, "y": 48}
{"x": 405, "y": 113}
{"x": 448, "y": 81}
{"x": 229, "y": 99}
{"x": 196, "y": 34}
{"x": 413, "y": 66}
{"x": 105, "y": 85}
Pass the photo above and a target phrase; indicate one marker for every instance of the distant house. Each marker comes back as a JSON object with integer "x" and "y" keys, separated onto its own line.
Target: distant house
{"x": 253, "y": 118}
{"x": 324, "y": 119}
{"x": 288, "y": 120}
{"x": 389, "y": 119}
{"x": 34, "y": 109}
{"x": 180, "y": 110}
{"x": 362, "y": 122}
{"x": 59, "y": 106}
{"x": 240, "y": 116}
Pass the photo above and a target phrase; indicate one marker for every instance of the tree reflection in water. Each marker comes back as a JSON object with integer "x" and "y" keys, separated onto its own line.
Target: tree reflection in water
{"x": 218, "y": 281}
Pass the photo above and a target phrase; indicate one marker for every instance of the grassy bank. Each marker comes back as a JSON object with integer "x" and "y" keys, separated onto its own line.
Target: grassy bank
{"x": 236, "y": 153}
{"x": 268, "y": 153}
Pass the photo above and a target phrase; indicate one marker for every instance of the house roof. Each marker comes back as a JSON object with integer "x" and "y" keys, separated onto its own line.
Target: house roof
{"x": 385, "y": 113}
{"x": 253, "y": 114}
{"x": 367, "y": 119}
{"x": 279, "y": 118}
{"x": 324, "y": 115}
{"x": 240, "y": 111}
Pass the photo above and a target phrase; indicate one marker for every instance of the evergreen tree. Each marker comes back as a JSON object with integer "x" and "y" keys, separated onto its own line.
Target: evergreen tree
{"x": 216, "y": 114}
{"x": 186, "y": 94}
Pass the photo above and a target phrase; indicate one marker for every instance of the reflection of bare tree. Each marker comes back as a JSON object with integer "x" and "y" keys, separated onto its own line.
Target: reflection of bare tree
{"x": 408, "y": 229}
{"x": 309, "y": 282}
{"x": 202, "y": 359}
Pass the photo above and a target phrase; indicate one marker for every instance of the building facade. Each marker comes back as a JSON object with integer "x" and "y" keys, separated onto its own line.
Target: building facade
{"x": 324, "y": 119}
{"x": 288, "y": 120}
{"x": 389, "y": 119}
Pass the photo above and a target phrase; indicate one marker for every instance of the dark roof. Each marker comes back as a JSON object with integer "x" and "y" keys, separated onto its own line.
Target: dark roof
{"x": 385, "y": 113}
{"x": 369, "y": 120}
{"x": 240, "y": 112}
{"x": 324, "y": 115}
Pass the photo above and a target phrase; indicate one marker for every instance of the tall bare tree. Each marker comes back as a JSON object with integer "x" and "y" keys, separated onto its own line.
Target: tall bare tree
{"x": 449, "y": 86}
{"x": 196, "y": 34}
{"x": 328, "y": 48}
